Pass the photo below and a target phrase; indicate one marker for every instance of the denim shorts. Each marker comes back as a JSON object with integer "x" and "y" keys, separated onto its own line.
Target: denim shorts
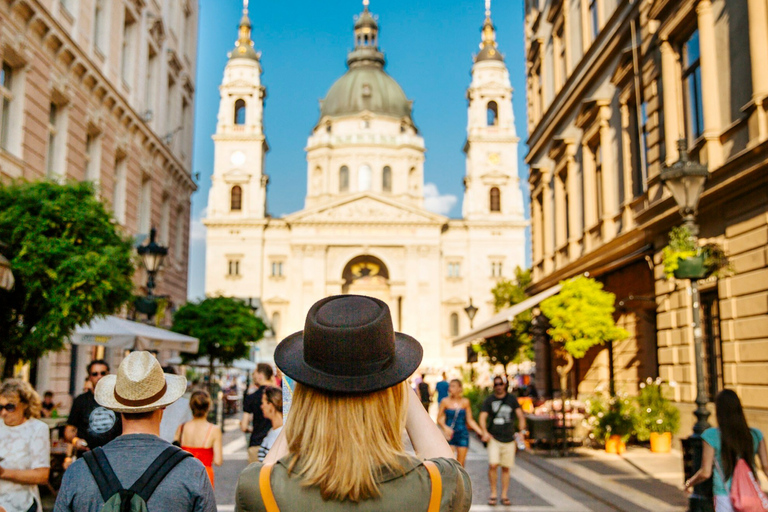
{"x": 460, "y": 438}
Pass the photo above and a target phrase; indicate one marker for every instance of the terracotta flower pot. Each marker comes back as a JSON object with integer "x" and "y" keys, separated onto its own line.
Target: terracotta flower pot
{"x": 615, "y": 444}
{"x": 661, "y": 442}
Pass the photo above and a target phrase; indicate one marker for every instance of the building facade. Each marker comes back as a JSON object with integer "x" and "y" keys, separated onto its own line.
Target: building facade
{"x": 612, "y": 87}
{"x": 103, "y": 91}
{"x": 364, "y": 228}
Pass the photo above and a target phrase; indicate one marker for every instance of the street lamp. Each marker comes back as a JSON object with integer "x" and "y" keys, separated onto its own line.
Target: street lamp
{"x": 471, "y": 311}
{"x": 685, "y": 179}
{"x": 152, "y": 256}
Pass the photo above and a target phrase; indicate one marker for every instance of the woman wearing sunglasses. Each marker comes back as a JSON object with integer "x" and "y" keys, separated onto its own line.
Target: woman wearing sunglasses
{"x": 25, "y": 448}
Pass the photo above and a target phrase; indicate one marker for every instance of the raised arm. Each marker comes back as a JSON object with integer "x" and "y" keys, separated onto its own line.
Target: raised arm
{"x": 426, "y": 437}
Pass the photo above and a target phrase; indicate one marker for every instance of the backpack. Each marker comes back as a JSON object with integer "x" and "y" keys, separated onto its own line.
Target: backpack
{"x": 118, "y": 499}
{"x": 746, "y": 495}
{"x": 265, "y": 487}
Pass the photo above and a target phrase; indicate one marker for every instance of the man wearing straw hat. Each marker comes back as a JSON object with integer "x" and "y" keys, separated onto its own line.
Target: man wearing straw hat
{"x": 139, "y": 392}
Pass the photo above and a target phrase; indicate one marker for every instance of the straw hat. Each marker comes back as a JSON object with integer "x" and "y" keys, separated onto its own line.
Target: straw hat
{"x": 139, "y": 386}
{"x": 348, "y": 345}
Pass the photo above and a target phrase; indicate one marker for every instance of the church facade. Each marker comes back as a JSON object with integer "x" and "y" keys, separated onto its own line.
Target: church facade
{"x": 364, "y": 228}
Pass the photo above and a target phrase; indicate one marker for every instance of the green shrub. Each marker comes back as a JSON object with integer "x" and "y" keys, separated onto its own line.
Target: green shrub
{"x": 655, "y": 412}
{"x": 476, "y": 397}
{"x": 615, "y": 415}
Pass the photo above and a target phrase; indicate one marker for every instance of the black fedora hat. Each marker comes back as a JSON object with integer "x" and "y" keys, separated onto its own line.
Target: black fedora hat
{"x": 348, "y": 345}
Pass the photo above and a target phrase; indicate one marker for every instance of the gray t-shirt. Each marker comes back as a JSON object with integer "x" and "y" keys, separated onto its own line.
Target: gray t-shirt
{"x": 185, "y": 489}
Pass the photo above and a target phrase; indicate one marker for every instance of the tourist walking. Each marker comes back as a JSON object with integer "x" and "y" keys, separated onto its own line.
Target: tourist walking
{"x": 425, "y": 395}
{"x": 498, "y": 416}
{"x": 441, "y": 388}
{"x": 253, "y": 419}
{"x": 175, "y": 414}
{"x": 200, "y": 437}
{"x": 342, "y": 446}
{"x": 272, "y": 409}
{"x": 725, "y": 447}
{"x": 25, "y": 448}
{"x": 139, "y": 393}
{"x": 454, "y": 415}
{"x": 87, "y": 419}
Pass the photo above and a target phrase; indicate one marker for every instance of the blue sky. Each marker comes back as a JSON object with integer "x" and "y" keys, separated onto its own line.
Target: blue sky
{"x": 428, "y": 46}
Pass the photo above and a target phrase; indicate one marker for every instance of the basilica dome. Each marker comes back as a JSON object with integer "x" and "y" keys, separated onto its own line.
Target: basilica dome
{"x": 366, "y": 87}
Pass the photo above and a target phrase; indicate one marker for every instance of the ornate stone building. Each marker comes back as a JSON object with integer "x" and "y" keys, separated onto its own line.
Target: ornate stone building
{"x": 364, "y": 228}
{"x": 612, "y": 86}
{"x": 103, "y": 90}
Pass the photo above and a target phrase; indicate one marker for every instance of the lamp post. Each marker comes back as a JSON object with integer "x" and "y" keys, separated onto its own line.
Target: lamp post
{"x": 685, "y": 179}
{"x": 152, "y": 256}
{"x": 471, "y": 311}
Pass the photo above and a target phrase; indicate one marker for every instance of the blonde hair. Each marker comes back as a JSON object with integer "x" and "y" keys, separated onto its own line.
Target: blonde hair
{"x": 26, "y": 395}
{"x": 344, "y": 441}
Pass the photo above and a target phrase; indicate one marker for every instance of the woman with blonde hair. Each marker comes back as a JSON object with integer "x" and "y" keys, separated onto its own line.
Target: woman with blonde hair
{"x": 199, "y": 437}
{"x": 342, "y": 444}
{"x": 25, "y": 448}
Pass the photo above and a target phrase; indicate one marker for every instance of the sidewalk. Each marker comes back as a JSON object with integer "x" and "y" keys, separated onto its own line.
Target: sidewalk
{"x": 637, "y": 481}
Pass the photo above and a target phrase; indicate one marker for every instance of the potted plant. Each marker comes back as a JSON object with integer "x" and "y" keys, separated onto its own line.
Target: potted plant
{"x": 684, "y": 259}
{"x": 657, "y": 417}
{"x": 612, "y": 420}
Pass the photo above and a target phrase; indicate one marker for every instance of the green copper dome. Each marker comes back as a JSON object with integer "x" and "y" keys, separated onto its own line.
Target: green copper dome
{"x": 366, "y": 86}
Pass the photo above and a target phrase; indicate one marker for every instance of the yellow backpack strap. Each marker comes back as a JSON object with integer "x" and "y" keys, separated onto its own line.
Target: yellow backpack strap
{"x": 437, "y": 486}
{"x": 266, "y": 488}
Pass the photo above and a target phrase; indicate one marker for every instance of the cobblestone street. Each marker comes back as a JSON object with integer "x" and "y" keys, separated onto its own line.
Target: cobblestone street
{"x": 589, "y": 481}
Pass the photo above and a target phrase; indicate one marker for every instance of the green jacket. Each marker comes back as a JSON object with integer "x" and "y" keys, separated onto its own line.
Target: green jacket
{"x": 407, "y": 492}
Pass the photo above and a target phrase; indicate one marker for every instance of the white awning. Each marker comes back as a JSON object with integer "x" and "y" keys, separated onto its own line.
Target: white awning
{"x": 115, "y": 332}
{"x": 500, "y": 322}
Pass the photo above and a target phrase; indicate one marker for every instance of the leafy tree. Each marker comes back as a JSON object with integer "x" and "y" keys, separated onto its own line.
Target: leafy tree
{"x": 514, "y": 345}
{"x": 69, "y": 261}
{"x": 223, "y": 325}
{"x": 581, "y": 316}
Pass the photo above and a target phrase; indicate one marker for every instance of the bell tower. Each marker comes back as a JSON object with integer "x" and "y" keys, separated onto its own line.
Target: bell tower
{"x": 239, "y": 183}
{"x": 491, "y": 185}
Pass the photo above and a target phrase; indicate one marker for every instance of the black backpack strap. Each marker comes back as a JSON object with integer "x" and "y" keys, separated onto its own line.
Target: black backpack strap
{"x": 103, "y": 473}
{"x": 157, "y": 471}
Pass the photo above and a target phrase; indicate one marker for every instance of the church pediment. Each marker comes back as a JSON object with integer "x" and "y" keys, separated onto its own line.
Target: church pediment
{"x": 365, "y": 209}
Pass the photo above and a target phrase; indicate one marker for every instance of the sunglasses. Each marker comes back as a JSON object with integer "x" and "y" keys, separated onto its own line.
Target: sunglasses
{"x": 497, "y": 384}
{"x": 96, "y": 374}
{"x": 8, "y": 407}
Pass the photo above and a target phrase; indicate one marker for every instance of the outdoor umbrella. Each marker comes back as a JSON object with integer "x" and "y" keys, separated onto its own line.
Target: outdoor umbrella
{"x": 115, "y": 332}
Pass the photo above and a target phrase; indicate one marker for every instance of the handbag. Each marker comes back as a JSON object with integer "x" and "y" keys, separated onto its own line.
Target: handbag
{"x": 448, "y": 436}
{"x": 745, "y": 495}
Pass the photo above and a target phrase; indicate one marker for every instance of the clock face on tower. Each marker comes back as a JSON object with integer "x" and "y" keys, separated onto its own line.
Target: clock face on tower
{"x": 237, "y": 158}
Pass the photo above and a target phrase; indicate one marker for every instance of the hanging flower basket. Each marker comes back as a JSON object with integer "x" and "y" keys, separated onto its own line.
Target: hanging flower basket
{"x": 691, "y": 268}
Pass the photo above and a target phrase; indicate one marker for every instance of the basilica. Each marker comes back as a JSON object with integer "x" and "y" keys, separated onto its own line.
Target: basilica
{"x": 364, "y": 228}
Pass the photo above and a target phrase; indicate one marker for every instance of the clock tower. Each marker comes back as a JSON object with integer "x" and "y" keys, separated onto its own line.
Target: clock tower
{"x": 239, "y": 184}
{"x": 491, "y": 185}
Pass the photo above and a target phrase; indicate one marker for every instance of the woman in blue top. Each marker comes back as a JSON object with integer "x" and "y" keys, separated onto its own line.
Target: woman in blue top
{"x": 454, "y": 415}
{"x": 725, "y": 445}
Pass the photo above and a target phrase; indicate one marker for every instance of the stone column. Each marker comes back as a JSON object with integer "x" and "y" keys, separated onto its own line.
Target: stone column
{"x": 673, "y": 126}
{"x": 548, "y": 221}
{"x": 710, "y": 88}
{"x": 574, "y": 215}
{"x": 561, "y": 217}
{"x": 758, "y": 50}
{"x": 608, "y": 175}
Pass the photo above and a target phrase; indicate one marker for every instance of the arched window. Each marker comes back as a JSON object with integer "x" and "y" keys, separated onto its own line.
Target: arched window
{"x": 495, "y": 199}
{"x": 386, "y": 179}
{"x": 344, "y": 179}
{"x": 454, "y": 324}
{"x": 493, "y": 113}
{"x": 364, "y": 178}
{"x": 236, "y": 199}
{"x": 240, "y": 112}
